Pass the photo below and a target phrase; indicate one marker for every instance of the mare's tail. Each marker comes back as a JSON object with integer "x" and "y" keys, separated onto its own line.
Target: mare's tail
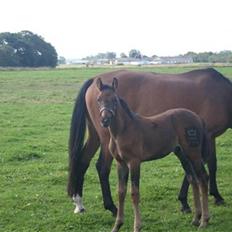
{"x": 76, "y": 138}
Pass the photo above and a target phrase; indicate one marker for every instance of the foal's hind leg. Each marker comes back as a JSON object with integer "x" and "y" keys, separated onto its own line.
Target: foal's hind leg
{"x": 197, "y": 201}
{"x": 195, "y": 157}
{"x": 134, "y": 167}
{"x": 203, "y": 186}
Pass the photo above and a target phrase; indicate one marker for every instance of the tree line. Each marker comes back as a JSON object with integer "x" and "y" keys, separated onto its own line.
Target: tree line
{"x": 202, "y": 57}
{"x": 211, "y": 57}
{"x": 26, "y": 49}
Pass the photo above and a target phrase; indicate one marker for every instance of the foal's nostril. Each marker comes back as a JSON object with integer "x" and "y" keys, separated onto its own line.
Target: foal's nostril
{"x": 105, "y": 122}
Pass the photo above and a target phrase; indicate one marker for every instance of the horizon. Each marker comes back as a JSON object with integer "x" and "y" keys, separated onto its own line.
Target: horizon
{"x": 127, "y": 54}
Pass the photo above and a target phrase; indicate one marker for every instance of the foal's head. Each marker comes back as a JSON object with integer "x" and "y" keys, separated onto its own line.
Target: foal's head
{"x": 107, "y": 101}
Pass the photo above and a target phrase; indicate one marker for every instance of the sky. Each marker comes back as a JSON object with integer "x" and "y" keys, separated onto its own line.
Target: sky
{"x": 80, "y": 28}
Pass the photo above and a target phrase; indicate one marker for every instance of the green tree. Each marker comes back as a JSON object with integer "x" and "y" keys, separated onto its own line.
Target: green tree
{"x": 123, "y": 55}
{"x": 110, "y": 55}
{"x": 30, "y": 50}
{"x": 61, "y": 60}
{"x": 8, "y": 56}
{"x": 135, "y": 54}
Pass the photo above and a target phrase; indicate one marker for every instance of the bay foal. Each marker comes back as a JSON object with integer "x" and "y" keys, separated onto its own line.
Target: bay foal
{"x": 134, "y": 139}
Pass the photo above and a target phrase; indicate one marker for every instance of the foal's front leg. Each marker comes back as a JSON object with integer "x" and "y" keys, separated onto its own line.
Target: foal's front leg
{"x": 135, "y": 176}
{"x": 123, "y": 172}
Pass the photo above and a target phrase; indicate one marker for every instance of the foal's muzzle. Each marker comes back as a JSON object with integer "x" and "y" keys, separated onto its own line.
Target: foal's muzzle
{"x": 105, "y": 122}
{"x": 106, "y": 116}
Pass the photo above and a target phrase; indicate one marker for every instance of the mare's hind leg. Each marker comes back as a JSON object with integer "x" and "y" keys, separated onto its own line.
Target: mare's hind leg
{"x": 88, "y": 152}
{"x": 103, "y": 167}
{"x": 212, "y": 166}
{"x": 183, "y": 196}
{"x": 191, "y": 177}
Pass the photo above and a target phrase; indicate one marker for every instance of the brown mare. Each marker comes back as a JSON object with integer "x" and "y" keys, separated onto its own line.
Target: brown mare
{"x": 205, "y": 92}
{"x": 134, "y": 139}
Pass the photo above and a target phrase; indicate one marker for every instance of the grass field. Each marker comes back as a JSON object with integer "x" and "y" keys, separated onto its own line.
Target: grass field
{"x": 35, "y": 112}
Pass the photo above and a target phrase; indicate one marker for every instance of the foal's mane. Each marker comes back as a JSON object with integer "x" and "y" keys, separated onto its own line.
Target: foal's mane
{"x": 126, "y": 108}
{"x": 122, "y": 102}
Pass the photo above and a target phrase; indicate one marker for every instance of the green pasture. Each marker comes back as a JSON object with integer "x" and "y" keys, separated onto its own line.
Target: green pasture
{"x": 35, "y": 112}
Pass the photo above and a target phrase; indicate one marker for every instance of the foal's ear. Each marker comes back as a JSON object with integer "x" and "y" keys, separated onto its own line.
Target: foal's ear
{"x": 115, "y": 84}
{"x": 99, "y": 84}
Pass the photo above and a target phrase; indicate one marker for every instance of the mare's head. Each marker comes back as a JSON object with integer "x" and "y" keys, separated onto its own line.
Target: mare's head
{"x": 107, "y": 101}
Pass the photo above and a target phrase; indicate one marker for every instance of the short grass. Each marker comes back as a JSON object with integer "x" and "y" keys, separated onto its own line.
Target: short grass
{"x": 35, "y": 112}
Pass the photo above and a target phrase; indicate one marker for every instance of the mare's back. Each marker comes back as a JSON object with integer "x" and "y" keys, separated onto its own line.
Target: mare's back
{"x": 204, "y": 92}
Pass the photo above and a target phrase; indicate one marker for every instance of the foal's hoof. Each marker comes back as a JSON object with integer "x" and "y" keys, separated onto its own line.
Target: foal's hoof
{"x": 137, "y": 229}
{"x": 114, "y": 211}
{"x": 195, "y": 222}
{"x": 203, "y": 225}
{"x": 117, "y": 226}
{"x": 219, "y": 201}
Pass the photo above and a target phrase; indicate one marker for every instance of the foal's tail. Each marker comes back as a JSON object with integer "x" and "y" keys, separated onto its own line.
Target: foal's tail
{"x": 206, "y": 150}
{"x": 76, "y": 138}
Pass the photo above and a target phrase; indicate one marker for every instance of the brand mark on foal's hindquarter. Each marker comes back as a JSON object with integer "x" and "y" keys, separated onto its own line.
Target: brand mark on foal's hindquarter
{"x": 192, "y": 136}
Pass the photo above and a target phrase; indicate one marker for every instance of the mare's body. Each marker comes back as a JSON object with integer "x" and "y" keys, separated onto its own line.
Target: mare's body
{"x": 205, "y": 92}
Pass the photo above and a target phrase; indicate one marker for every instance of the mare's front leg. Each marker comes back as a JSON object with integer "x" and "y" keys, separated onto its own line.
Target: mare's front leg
{"x": 212, "y": 166}
{"x": 134, "y": 167}
{"x": 123, "y": 172}
{"x": 103, "y": 167}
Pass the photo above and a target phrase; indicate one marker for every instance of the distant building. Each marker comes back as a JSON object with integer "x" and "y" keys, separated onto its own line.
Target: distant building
{"x": 133, "y": 61}
{"x": 155, "y": 60}
{"x": 176, "y": 60}
{"x": 77, "y": 61}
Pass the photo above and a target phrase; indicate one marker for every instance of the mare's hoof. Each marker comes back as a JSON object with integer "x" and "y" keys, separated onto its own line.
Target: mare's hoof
{"x": 77, "y": 210}
{"x": 186, "y": 210}
{"x": 113, "y": 210}
{"x": 219, "y": 202}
